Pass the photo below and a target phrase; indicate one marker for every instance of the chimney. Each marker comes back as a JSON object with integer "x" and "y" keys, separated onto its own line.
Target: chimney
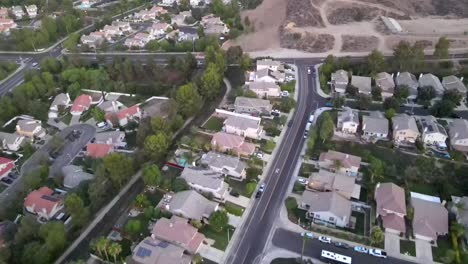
{"x": 420, "y": 75}
{"x": 461, "y": 79}
{"x": 398, "y": 74}
{"x": 392, "y": 75}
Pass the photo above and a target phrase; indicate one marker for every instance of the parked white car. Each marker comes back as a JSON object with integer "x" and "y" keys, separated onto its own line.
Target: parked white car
{"x": 324, "y": 239}
{"x": 302, "y": 181}
{"x": 378, "y": 253}
{"x": 284, "y": 93}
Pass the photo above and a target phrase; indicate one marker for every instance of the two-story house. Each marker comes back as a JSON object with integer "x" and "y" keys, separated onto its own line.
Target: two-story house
{"x": 430, "y": 218}
{"x": 385, "y": 82}
{"x": 253, "y": 106}
{"x": 243, "y": 125}
{"x": 229, "y": 142}
{"x": 206, "y": 181}
{"x": 269, "y": 64}
{"x": 340, "y": 81}
{"x": 348, "y": 121}
{"x": 374, "y": 126}
{"x": 432, "y": 133}
{"x": 328, "y": 208}
{"x": 405, "y": 130}
{"x": 124, "y": 116}
{"x": 362, "y": 83}
{"x": 407, "y": 79}
{"x": 391, "y": 207}
{"x": 155, "y": 251}
{"x": 327, "y": 181}
{"x": 30, "y": 128}
{"x": 31, "y": 10}
{"x": 229, "y": 165}
{"x": 61, "y": 100}
{"x": 458, "y": 131}
{"x": 430, "y": 80}
{"x": 44, "y": 203}
{"x": 265, "y": 89}
{"x": 159, "y": 29}
{"x": 6, "y": 165}
{"x": 11, "y": 141}
{"x": 340, "y": 162}
{"x": 81, "y": 104}
{"x": 452, "y": 82}
{"x": 189, "y": 204}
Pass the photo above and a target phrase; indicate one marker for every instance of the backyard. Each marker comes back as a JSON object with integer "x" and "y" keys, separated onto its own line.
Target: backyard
{"x": 214, "y": 124}
{"x": 221, "y": 238}
{"x": 233, "y": 209}
{"x": 267, "y": 146}
{"x": 294, "y": 213}
{"x": 408, "y": 247}
{"x": 241, "y": 187}
{"x": 359, "y": 227}
{"x": 443, "y": 245}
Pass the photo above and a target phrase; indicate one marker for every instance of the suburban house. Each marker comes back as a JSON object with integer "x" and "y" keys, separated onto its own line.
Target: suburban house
{"x": 460, "y": 209}
{"x": 348, "y": 121}
{"x": 180, "y": 18}
{"x": 213, "y": 25}
{"x": 243, "y": 125}
{"x": 374, "y": 126}
{"x": 159, "y": 29}
{"x": 6, "y": 165}
{"x": 185, "y": 35}
{"x": 391, "y": 207}
{"x": 31, "y": 10}
{"x": 458, "y": 131}
{"x": 151, "y": 14}
{"x": 267, "y": 75}
{"x": 11, "y": 141}
{"x": 155, "y": 251}
{"x": 190, "y": 205}
{"x": 229, "y": 165}
{"x": 44, "y": 203}
{"x": 97, "y": 151}
{"x": 61, "y": 100}
{"x": 405, "y": 129}
{"x": 228, "y": 142}
{"x": 30, "y": 128}
{"x": 452, "y": 82}
{"x": 253, "y": 106}
{"x": 112, "y": 31}
{"x": 327, "y": 181}
{"x": 339, "y": 81}
{"x": 430, "y": 79}
{"x": 430, "y": 218}
{"x": 92, "y": 40}
{"x": 81, "y": 104}
{"x": 269, "y": 64}
{"x": 340, "y": 162}
{"x": 139, "y": 40}
{"x": 362, "y": 83}
{"x": 110, "y": 106}
{"x": 265, "y": 89}
{"x": 409, "y": 80}
{"x": 6, "y": 24}
{"x": 114, "y": 138}
{"x": 432, "y": 133}
{"x": 179, "y": 232}
{"x": 122, "y": 25}
{"x": 385, "y": 81}
{"x": 206, "y": 181}
{"x": 3, "y": 12}
{"x": 17, "y": 12}
{"x": 326, "y": 207}
{"x": 73, "y": 175}
{"x": 124, "y": 116}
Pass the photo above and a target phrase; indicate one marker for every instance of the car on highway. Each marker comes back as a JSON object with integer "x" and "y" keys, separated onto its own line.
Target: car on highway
{"x": 324, "y": 239}
{"x": 307, "y": 234}
{"x": 258, "y": 194}
{"x": 306, "y": 134}
{"x": 341, "y": 245}
{"x": 361, "y": 249}
{"x": 13, "y": 175}
{"x": 377, "y": 253}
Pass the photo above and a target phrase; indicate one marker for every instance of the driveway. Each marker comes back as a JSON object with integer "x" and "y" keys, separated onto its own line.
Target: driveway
{"x": 211, "y": 253}
{"x": 423, "y": 251}
{"x": 392, "y": 244}
{"x": 241, "y": 200}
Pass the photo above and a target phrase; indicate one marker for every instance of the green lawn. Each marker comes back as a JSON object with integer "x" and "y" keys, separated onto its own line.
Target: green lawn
{"x": 424, "y": 188}
{"x": 294, "y": 213}
{"x": 2, "y": 187}
{"x": 201, "y": 139}
{"x": 66, "y": 118}
{"x": 307, "y": 169}
{"x": 443, "y": 244}
{"x": 233, "y": 209}
{"x": 214, "y": 124}
{"x": 298, "y": 188}
{"x": 239, "y": 186}
{"x": 221, "y": 238}
{"x": 267, "y": 146}
{"x": 407, "y": 246}
{"x": 359, "y": 228}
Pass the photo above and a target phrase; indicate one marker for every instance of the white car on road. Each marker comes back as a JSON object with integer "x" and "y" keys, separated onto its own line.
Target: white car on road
{"x": 324, "y": 239}
{"x": 361, "y": 249}
{"x": 378, "y": 253}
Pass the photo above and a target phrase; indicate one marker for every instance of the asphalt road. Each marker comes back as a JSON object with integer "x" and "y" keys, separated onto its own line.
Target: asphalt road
{"x": 293, "y": 242}
{"x": 259, "y": 222}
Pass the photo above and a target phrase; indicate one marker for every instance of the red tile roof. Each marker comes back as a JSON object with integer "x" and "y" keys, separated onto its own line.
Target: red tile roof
{"x": 5, "y": 166}
{"x": 81, "y": 103}
{"x": 128, "y": 112}
{"x": 96, "y": 151}
{"x": 177, "y": 230}
{"x": 41, "y": 200}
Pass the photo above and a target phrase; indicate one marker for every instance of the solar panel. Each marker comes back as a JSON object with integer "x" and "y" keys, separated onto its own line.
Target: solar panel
{"x": 143, "y": 252}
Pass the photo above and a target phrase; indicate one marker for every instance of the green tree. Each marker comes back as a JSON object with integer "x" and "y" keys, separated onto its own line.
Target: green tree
{"x": 211, "y": 82}
{"x": 326, "y": 126}
{"x": 142, "y": 201}
{"x": 376, "y": 169}
{"x": 391, "y": 103}
{"x": 443, "y": 108}
{"x": 376, "y": 61}
{"x": 159, "y": 124}
{"x": 390, "y": 113}
{"x": 156, "y": 146}
{"x": 402, "y": 54}
{"x": 376, "y": 93}
{"x": 179, "y": 184}
{"x": 151, "y": 175}
{"x": 219, "y": 220}
{"x": 352, "y": 91}
{"x": 426, "y": 93}
{"x": 402, "y": 92}
{"x": 102, "y": 244}
{"x": 75, "y": 206}
{"x": 54, "y": 236}
{"x": 453, "y": 95}
{"x": 176, "y": 123}
{"x": 442, "y": 47}
{"x": 133, "y": 227}
{"x": 188, "y": 100}
{"x": 119, "y": 168}
{"x": 250, "y": 188}
{"x": 364, "y": 101}
{"x": 27, "y": 230}
{"x": 377, "y": 236}
{"x": 152, "y": 212}
{"x": 338, "y": 101}
{"x": 114, "y": 250}
{"x": 98, "y": 114}
{"x": 35, "y": 253}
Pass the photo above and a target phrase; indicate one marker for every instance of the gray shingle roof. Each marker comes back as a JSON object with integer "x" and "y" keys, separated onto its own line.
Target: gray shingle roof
{"x": 242, "y": 123}
{"x": 407, "y": 79}
{"x": 362, "y": 83}
{"x": 452, "y": 82}
{"x": 385, "y": 82}
{"x": 252, "y": 102}
{"x": 192, "y": 204}
{"x": 430, "y": 125}
{"x": 204, "y": 177}
{"x": 219, "y": 160}
{"x": 114, "y": 136}
{"x": 327, "y": 202}
{"x": 429, "y": 79}
{"x": 375, "y": 124}
{"x": 263, "y": 86}
{"x": 404, "y": 121}
{"x": 74, "y": 175}
{"x": 10, "y": 138}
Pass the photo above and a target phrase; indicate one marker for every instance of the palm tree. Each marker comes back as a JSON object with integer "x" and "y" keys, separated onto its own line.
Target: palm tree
{"x": 102, "y": 245}
{"x": 114, "y": 250}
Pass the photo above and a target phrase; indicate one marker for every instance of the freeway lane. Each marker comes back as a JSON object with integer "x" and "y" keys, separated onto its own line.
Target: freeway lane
{"x": 293, "y": 242}
{"x": 254, "y": 235}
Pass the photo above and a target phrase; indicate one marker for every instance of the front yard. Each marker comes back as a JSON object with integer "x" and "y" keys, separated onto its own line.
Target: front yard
{"x": 294, "y": 213}
{"x": 221, "y": 238}
{"x": 359, "y": 227}
{"x": 233, "y": 209}
{"x": 243, "y": 188}
{"x": 408, "y": 247}
{"x": 267, "y": 146}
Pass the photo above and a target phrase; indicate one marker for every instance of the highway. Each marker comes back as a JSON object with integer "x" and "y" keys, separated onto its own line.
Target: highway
{"x": 259, "y": 222}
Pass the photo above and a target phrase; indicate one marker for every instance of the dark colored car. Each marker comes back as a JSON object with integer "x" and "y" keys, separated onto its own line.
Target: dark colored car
{"x": 329, "y": 104}
{"x": 341, "y": 245}
{"x": 258, "y": 194}
{"x": 290, "y": 123}
{"x": 7, "y": 180}
{"x": 13, "y": 175}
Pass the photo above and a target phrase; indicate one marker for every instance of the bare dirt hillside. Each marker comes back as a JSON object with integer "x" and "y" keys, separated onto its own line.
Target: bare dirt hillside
{"x": 352, "y": 26}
